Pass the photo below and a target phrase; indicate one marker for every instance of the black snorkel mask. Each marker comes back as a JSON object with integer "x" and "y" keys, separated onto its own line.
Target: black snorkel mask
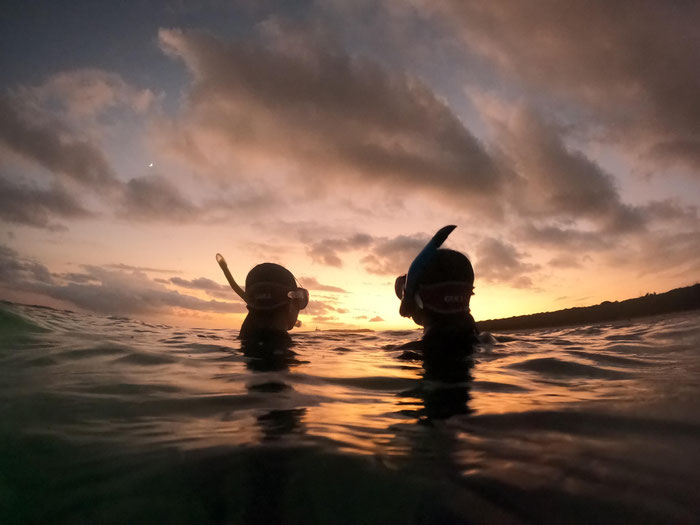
{"x": 444, "y": 297}
{"x": 270, "y": 295}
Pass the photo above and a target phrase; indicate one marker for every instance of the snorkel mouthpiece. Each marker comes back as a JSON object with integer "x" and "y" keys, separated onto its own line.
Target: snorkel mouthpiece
{"x": 418, "y": 266}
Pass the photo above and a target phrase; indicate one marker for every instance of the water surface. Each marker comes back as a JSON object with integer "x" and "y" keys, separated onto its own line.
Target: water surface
{"x": 112, "y": 420}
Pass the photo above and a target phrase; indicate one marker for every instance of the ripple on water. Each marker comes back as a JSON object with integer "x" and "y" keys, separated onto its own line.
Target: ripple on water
{"x": 556, "y": 425}
{"x": 145, "y": 359}
{"x": 616, "y": 360}
{"x": 372, "y": 383}
{"x": 554, "y": 367}
{"x": 95, "y": 351}
{"x": 493, "y": 386}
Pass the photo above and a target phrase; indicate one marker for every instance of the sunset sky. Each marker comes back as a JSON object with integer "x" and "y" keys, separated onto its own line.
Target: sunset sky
{"x": 138, "y": 139}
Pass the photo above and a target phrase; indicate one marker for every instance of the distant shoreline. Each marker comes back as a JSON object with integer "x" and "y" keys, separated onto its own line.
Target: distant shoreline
{"x": 677, "y": 300}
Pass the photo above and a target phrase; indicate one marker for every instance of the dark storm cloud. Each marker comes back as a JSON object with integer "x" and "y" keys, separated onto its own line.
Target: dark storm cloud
{"x": 33, "y": 206}
{"x": 297, "y": 97}
{"x": 634, "y": 64}
{"x": 101, "y": 290}
{"x": 47, "y": 143}
{"x": 499, "y": 261}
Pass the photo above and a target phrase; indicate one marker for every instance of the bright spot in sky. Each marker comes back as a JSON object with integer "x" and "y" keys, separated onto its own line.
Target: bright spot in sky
{"x": 150, "y": 165}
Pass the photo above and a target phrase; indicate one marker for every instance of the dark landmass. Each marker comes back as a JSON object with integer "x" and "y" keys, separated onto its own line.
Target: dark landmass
{"x": 678, "y": 300}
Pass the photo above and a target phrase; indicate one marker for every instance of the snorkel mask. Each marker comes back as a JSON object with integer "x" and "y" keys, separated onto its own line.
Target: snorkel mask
{"x": 266, "y": 295}
{"x": 444, "y": 297}
{"x": 270, "y": 295}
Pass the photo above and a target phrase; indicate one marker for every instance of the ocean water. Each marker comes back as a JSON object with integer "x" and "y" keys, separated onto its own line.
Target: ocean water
{"x": 110, "y": 420}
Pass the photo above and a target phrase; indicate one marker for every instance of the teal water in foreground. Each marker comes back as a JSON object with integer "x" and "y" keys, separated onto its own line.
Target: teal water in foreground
{"x": 108, "y": 420}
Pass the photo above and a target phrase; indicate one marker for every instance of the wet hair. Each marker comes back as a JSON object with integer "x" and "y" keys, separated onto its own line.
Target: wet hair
{"x": 270, "y": 273}
{"x": 447, "y": 266}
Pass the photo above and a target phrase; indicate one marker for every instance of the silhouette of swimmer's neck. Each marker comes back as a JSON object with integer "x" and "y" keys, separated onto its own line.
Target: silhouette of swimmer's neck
{"x": 261, "y": 323}
{"x": 456, "y": 322}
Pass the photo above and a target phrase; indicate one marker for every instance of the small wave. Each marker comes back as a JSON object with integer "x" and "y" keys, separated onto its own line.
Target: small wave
{"x": 14, "y": 325}
{"x": 146, "y": 359}
{"x": 269, "y": 387}
{"x": 612, "y": 359}
{"x": 200, "y": 348}
{"x": 493, "y": 386}
{"x": 623, "y": 337}
{"x": 132, "y": 389}
{"x": 585, "y": 423}
{"x": 373, "y": 383}
{"x": 557, "y": 367}
{"x": 96, "y": 351}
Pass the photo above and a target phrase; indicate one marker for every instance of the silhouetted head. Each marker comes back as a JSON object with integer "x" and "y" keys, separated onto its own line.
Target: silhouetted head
{"x": 273, "y": 299}
{"x": 443, "y": 289}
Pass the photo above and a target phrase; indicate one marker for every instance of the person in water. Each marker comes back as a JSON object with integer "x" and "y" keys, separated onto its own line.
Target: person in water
{"x": 273, "y": 299}
{"x": 436, "y": 292}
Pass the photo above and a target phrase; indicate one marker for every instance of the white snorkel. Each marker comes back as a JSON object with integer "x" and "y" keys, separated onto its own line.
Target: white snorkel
{"x": 224, "y": 268}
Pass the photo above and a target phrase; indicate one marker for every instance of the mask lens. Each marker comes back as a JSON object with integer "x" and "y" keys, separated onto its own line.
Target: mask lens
{"x": 400, "y": 286}
{"x": 300, "y": 296}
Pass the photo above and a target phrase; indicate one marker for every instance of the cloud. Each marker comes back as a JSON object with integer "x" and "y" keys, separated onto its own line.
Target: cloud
{"x": 122, "y": 266}
{"x": 383, "y": 256}
{"x": 324, "y": 318}
{"x": 207, "y": 285}
{"x": 334, "y": 117}
{"x": 393, "y": 256}
{"x": 671, "y": 211}
{"x": 311, "y": 283}
{"x": 155, "y": 198}
{"x": 635, "y": 66}
{"x": 15, "y": 269}
{"x": 326, "y": 251}
{"x": 555, "y": 181}
{"x": 566, "y": 261}
{"x": 101, "y": 290}
{"x": 664, "y": 252}
{"x": 317, "y": 307}
{"x": 84, "y": 93}
{"x": 500, "y": 262}
{"x": 555, "y": 237}
{"x": 376, "y": 319}
{"x": 47, "y": 142}
{"x": 34, "y": 206}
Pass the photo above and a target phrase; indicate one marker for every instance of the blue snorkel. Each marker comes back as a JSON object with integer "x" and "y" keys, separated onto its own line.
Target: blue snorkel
{"x": 418, "y": 266}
